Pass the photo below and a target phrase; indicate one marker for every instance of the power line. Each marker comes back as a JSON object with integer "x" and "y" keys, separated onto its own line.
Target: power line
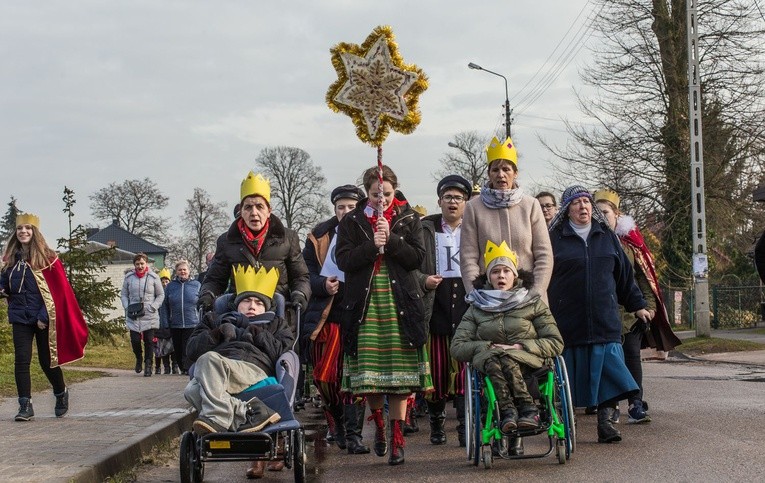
{"x": 759, "y": 9}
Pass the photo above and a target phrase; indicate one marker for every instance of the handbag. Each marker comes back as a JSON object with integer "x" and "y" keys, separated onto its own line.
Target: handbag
{"x": 138, "y": 309}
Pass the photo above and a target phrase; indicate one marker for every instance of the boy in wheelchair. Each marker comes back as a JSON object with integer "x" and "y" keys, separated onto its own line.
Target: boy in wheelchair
{"x": 232, "y": 352}
{"x": 506, "y": 333}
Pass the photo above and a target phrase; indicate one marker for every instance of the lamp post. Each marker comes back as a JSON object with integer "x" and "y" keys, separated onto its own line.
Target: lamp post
{"x": 508, "y": 122}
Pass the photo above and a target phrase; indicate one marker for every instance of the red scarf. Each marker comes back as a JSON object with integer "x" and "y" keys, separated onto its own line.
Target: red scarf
{"x": 253, "y": 241}
{"x": 389, "y": 213}
{"x": 141, "y": 274}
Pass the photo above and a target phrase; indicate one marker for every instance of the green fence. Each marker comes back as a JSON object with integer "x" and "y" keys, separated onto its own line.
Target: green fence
{"x": 732, "y": 306}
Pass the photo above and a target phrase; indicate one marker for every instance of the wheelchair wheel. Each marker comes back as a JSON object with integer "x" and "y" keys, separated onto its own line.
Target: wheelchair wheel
{"x": 561, "y": 450}
{"x": 567, "y": 405}
{"x": 191, "y": 467}
{"x": 487, "y": 456}
{"x": 476, "y": 418}
{"x": 298, "y": 454}
{"x": 469, "y": 436}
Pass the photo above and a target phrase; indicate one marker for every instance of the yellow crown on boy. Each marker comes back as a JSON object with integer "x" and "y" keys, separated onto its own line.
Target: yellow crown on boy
{"x": 28, "y": 219}
{"x": 255, "y": 184}
{"x": 263, "y": 281}
{"x": 501, "y": 150}
{"x": 165, "y": 273}
{"x": 493, "y": 252}
{"x": 606, "y": 194}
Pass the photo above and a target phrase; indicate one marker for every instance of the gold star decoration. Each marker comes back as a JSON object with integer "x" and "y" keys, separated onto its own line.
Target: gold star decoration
{"x": 375, "y": 87}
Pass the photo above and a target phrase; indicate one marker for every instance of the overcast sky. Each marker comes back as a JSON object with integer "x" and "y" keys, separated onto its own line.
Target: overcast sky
{"x": 188, "y": 92}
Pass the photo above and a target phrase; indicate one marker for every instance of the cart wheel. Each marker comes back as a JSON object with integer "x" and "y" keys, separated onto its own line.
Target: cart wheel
{"x": 298, "y": 455}
{"x": 469, "y": 446}
{"x": 191, "y": 468}
{"x": 487, "y": 456}
{"x": 560, "y": 451}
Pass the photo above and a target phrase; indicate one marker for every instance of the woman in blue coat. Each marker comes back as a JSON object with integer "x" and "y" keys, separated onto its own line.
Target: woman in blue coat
{"x": 179, "y": 311}
{"x": 591, "y": 278}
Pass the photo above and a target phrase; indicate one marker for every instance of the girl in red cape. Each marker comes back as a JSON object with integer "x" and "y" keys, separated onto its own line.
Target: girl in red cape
{"x": 41, "y": 307}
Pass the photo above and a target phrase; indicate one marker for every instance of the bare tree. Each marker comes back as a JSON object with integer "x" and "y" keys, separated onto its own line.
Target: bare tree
{"x": 298, "y": 191}
{"x": 133, "y": 204}
{"x": 203, "y": 221}
{"x": 640, "y": 145}
{"x": 467, "y": 157}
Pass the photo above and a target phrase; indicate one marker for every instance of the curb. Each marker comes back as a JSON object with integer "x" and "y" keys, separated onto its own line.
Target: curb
{"x": 130, "y": 453}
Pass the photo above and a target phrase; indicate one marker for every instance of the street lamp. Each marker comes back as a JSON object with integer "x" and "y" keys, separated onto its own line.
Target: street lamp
{"x": 507, "y": 95}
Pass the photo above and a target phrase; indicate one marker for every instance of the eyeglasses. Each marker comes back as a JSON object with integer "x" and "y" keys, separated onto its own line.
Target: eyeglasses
{"x": 453, "y": 198}
{"x": 547, "y": 206}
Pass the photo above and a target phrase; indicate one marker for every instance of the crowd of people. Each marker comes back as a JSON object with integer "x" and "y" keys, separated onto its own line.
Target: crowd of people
{"x": 392, "y": 305}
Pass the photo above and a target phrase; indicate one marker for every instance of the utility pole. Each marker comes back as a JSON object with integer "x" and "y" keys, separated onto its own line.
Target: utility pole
{"x": 698, "y": 210}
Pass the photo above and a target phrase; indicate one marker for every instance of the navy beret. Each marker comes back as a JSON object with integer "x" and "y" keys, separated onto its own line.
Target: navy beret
{"x": 348, "y": 191}
{"x": 454, "y": 181}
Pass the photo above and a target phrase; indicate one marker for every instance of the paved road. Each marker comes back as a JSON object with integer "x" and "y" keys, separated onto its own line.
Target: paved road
{"x": 707, "y": 424}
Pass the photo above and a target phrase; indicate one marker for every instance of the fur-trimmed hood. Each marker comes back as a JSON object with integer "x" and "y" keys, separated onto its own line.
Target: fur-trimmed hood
{"x": 624, "y": 225}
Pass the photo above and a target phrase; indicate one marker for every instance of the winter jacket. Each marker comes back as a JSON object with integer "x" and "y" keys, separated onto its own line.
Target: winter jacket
{"x": 524, "y": 229}
{"x": 530, "y": 324}
{"x": 322, "y": 307}
{"x": 589, "y": 282}
{"x": 260, "y": 340}
{"x": 444, "y": 306}
{"x": 179, "y": 310}
{"x": 356, "y": 254}
{"x": 25, "y": 302}
{"x": 281, "y": 249}
{"x": 147, "y": 289}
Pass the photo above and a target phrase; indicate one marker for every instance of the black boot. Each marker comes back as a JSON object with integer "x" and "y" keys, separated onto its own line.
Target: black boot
{"x": 147, "y": 367}
{"x": 138, "y": 356}
{"x": 459, "y": 404}
{"x": 354, "y": 421}
{"x": 339, "y": 417}
{"x": 437, "y": 414}
{"x": 26, "y": 412}
{"x": 515, "y": 447}
{"x": 396, "y": 456}
{"x": 381, "y": 439}
{"x": 158, "y": 365}
{"x": 62, "y": 403}
{"x": 607, "y": 433}
{"x": 410, "y": 423}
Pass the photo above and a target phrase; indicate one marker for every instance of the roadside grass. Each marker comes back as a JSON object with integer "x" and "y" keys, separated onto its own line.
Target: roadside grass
{"x": 161, "y": 454}
{"x": 710, "y": 345}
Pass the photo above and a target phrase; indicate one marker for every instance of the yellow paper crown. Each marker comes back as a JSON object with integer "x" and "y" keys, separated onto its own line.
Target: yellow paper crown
{"x": 28, "y": 219}
{"x": 255, "y": 184}
{"x": 165, "y": 273}
{"x": 421, "y": 210}
{"x": 607, "y": 195}
{"x": 263, "y": 281}
{"x": 498, "y": 150}
{"x": 493, "y": 252}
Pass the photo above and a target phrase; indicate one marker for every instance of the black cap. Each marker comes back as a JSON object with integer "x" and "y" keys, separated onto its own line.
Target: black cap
{"x": 454, "y": 181}
{"x": 348, "y": 191}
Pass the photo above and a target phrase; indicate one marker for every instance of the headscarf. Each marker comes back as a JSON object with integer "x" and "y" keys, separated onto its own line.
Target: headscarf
{"x": 569, "y": 195}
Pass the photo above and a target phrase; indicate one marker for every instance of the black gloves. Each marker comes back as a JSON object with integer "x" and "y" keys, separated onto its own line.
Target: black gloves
{"x": 227, "y": 332}
{"x": 298, "y": 298}
{"x": 205, "y": 301}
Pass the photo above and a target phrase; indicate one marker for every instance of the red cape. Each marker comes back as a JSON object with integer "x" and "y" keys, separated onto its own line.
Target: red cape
{"x": 68, "y": 329}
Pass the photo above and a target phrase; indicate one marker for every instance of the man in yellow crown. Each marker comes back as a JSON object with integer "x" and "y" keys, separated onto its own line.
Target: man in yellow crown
{"x": 232, "y": 352}
{"x": 259, "y": 239}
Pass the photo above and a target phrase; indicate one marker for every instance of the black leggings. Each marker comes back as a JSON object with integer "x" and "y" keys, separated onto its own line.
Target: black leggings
{"x": 148, "y": 344}
{"x": 631, "y": 346}
{"x": 180, "y": 339}
{"x": 22, "y": 345}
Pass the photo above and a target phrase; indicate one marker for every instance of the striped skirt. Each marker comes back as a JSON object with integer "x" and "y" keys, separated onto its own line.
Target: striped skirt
{"x": 385, "y": 364}
{"x": 448, "y": 374}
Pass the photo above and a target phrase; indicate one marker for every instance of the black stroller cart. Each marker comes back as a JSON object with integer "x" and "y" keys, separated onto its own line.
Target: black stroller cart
{"x": 197, "y": 450}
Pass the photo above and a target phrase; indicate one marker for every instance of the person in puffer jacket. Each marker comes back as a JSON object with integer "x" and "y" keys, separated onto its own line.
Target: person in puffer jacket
{"x": 505, "y": 334}
{"x": 180, "y": 312}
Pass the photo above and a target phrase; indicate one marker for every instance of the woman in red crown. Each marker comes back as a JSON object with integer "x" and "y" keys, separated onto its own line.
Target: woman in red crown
{"x": 383, "y": 318}
{"x": 42, "y": 308}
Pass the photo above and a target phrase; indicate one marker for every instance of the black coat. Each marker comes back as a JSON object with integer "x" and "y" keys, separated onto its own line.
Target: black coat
{"x": 281, "y": 249}
{"x": 260, "y": 340}
{"x": 589, "y": 282}
{"x": 25, "y": 302}
{"x": 404, "y": 252}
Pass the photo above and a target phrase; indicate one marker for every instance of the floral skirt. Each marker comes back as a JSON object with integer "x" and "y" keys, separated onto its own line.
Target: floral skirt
{"x": 385, "y": 364}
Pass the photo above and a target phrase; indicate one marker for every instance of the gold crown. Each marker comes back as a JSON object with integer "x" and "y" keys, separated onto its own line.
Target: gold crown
{"x": 607, "y": 195}
{"x": 505, "y": 150}
{"x": 263, "y": 281}
{"x": 493, "y": 251}
{"x": 165, "y": 273}
{"x": 421, "y": 210}
{"x": 28, "y": 219}
{"x": 255, "y": 184}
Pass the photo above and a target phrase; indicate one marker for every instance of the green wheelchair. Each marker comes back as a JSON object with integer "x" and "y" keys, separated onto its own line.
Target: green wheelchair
{"x": 550, "y": 387}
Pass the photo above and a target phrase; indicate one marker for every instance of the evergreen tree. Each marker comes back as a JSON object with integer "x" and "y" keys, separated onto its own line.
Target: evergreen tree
{"x": 8, "y": 222}
{"x": 83, "y": 266}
